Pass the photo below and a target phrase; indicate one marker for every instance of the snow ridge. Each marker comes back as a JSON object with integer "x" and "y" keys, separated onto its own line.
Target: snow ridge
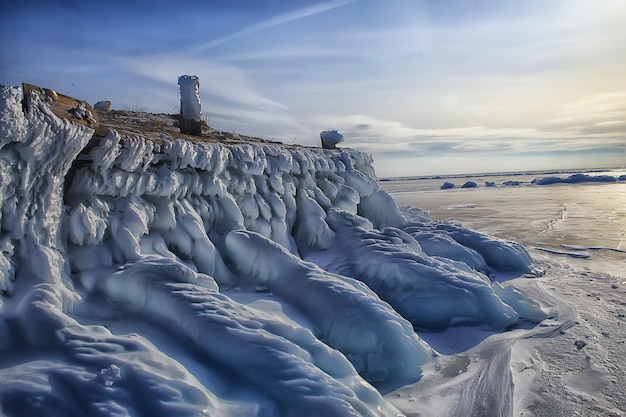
{"x": 148, "y": 240}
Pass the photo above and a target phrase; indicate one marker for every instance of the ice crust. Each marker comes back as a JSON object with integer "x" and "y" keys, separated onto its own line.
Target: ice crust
{"x": 147, "y": 236}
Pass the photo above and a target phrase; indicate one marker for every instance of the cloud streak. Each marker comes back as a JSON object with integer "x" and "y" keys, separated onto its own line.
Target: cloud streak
{"x": 278, "y": 20}
{"x": 393, "y": 138}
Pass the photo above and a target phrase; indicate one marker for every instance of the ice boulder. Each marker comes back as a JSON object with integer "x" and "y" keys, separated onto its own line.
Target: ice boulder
{"x": 330, "y": 138}
{"x": 447, "y": 185}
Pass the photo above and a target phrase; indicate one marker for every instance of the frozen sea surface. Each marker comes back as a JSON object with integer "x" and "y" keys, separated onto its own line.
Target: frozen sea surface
{"x": 573, "y": 364}
{"x": 575, "y": 219}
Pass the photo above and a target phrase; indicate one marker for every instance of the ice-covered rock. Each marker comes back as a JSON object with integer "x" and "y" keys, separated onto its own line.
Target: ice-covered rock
{"x": 330, "y": 138}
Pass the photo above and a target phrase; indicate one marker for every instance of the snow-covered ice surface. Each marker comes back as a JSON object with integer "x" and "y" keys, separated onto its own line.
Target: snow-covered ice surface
{"x": 573, "y": 363}
{"x": 202, "y": 279}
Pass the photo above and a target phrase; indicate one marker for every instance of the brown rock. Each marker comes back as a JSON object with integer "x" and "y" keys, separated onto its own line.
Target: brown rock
{"x": 65, "y": 106}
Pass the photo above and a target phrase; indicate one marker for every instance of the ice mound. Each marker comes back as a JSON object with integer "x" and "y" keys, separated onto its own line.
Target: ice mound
{"x": 116, "y": 260}
{"x": 345, "y": 314}
{"x": 576, "y": 179}
{"x": 431, "y": 292}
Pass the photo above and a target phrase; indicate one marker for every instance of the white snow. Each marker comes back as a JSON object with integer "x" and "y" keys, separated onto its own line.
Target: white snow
{"x": 120, "y": 279}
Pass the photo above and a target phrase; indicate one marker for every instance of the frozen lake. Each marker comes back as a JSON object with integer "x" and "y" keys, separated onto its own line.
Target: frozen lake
{"x": 573, "y": 363}
{"x": 580, "y": 219}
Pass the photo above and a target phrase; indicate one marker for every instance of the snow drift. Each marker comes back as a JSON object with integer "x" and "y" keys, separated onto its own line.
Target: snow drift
{"x": 182, "y": 279}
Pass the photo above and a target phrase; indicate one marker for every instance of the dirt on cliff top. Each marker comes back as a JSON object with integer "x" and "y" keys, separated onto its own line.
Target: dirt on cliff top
{"x": 156, "y": 127}
{"x": 159, "y": 127}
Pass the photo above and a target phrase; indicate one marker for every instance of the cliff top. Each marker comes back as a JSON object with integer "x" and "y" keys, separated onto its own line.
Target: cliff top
{"x": 160, "y": 126}
{"x": 157, "y": 127}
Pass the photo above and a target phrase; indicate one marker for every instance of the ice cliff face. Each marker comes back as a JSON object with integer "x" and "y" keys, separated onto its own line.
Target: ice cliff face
{"x": 204, "y": 279}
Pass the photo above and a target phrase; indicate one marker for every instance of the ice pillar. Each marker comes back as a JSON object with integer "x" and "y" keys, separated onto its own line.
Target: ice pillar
{"x": 190, "y": 107}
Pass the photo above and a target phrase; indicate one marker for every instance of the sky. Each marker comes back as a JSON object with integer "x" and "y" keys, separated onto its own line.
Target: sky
{"x": 426, "y": 87}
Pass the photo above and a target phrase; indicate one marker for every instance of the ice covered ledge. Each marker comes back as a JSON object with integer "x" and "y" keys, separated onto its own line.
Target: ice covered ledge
{"x": 36, "y": 152}
{"x": 174, "y": 229}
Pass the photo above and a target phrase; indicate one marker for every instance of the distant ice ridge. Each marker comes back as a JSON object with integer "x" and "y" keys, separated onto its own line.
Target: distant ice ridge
{"x": 119, "y": 280}
{"x": 578, "y": 178}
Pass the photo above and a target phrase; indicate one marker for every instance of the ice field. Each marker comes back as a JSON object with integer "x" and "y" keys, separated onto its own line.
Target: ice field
{"x": 576, "y": 233}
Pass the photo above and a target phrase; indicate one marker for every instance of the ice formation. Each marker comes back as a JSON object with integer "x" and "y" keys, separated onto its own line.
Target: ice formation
{"x": 330, "y": 138}
{"x": 121, "y": 268}
{"x": 190, "y": 105}
{"x": 577, "y": 179}
{"x": 469, "y": 184}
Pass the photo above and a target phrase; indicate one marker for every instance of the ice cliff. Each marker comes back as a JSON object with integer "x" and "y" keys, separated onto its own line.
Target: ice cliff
{"x": 202, "y": 279}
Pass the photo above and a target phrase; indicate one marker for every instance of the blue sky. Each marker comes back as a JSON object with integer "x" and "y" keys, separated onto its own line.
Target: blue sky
{"x": 427, "y": 87}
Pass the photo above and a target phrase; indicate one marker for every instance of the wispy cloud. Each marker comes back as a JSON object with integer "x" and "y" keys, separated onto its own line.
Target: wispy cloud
{"x": 224, "y": 82}
{"x": 278, "y": 20}
{"x": 600, "y": 114}
{"x": 388, "y": 137}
